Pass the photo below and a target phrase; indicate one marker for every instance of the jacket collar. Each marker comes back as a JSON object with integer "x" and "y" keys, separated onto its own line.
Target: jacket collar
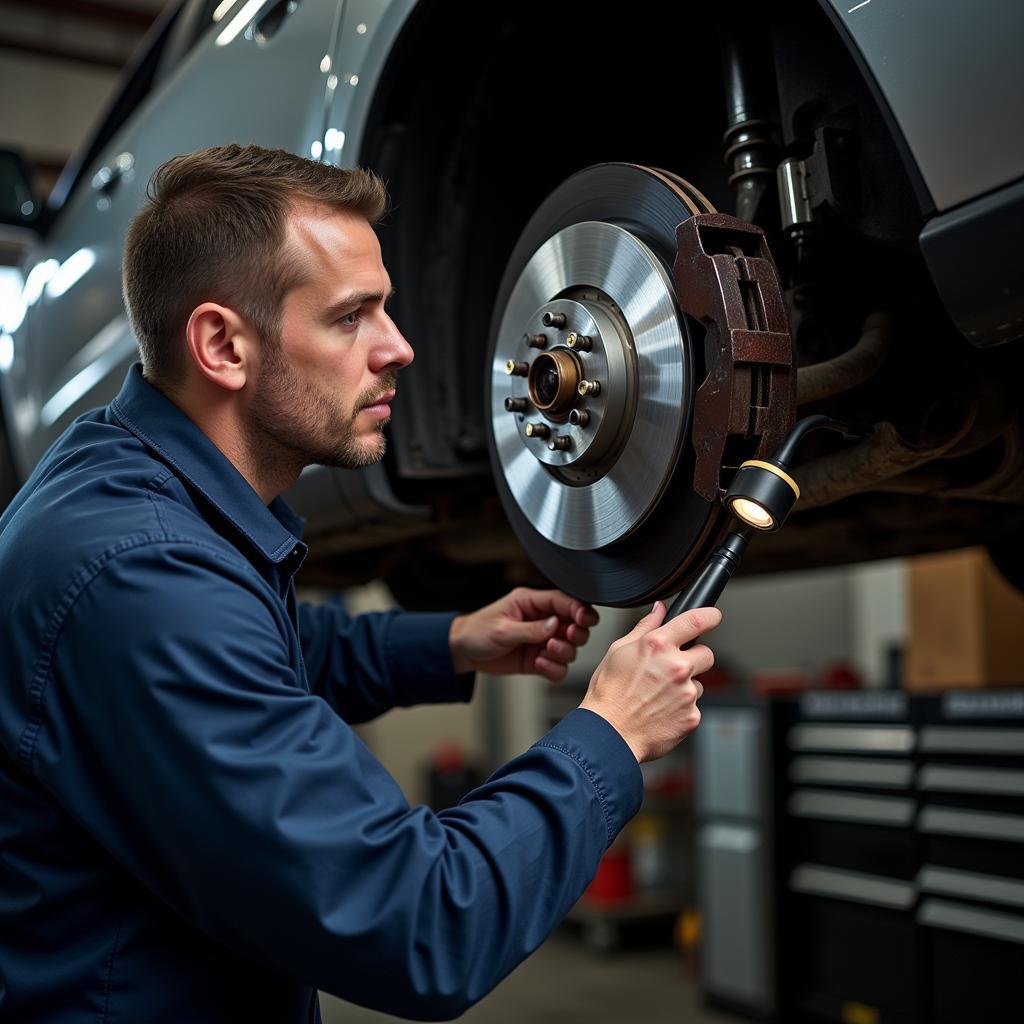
{"x": 156, "y": 421}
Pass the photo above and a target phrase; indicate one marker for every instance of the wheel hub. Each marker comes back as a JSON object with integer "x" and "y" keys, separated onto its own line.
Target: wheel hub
{"x": 580, "y": 385}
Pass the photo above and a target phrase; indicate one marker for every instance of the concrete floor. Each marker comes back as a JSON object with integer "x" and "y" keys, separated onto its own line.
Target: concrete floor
{"x": 564, "y": 983}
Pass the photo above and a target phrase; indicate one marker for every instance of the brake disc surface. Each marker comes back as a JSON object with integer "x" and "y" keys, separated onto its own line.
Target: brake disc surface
{"x": 586, "y": 469}
{"x": 591, "y": 380}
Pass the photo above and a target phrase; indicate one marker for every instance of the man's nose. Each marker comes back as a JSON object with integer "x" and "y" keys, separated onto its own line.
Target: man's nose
{"x": 394, "y": 351}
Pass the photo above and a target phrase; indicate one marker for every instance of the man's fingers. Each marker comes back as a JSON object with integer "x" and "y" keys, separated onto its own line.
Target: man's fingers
{"x": 687, "y": 626}
{"x": 560, "y": 651}
{"x": 537, "y": 603}
{"x": 534, "y": 632}
{"x": 577, "y": 635}
{"x": 702, "y": 659}
{"x": 549, "y": 669}
{"x": 652, "y": 620}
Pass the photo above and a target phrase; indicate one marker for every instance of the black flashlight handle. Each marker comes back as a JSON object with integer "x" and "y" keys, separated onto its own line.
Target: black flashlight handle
{"x": 707, "y": 588}
{"x": 716, "y": 572}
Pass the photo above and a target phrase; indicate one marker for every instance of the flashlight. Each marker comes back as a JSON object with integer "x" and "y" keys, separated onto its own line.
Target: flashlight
{"x": 761, "y": 496}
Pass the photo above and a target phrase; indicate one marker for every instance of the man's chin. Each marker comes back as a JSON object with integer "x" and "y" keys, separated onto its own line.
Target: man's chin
{"x": 359, "y": 454}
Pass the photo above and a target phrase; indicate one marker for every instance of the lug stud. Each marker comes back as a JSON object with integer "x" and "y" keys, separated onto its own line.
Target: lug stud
{"x": 577, "y": 417}
{"x": 515, "y": 404}
{"x": 537, "y": 340}
{"x": 540, "y": 430}
{"x": 560, "y": 443}
{"x": 554, "y": 320}
{"x": 579, "y": 342}
{"x": 514, "y": 369}
{"x": 589, "y": 387}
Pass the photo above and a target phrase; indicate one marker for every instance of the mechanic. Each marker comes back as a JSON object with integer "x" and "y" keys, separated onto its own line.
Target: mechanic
{"x": 190, "y": 830}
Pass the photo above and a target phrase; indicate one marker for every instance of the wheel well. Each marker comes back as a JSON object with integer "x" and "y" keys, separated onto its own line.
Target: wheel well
{"x": 483, "y": 111}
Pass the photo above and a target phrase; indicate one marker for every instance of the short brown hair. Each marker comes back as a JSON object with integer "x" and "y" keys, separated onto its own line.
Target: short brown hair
{"x": 213, "y": 230}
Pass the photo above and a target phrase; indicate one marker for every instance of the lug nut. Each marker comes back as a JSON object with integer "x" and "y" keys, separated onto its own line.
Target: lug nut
{"x": 515, "y": 404}
{"x": 536, "y": 340}
{"x": 560, "y": 443}
{"x": 540, "y": 430}
{"x": 578, "y": 417}
{"x": 554, "y": 320}
{"x": 579, "y": 342}
{"x": 514, "y": 369}
{"x": 589, "y": 387}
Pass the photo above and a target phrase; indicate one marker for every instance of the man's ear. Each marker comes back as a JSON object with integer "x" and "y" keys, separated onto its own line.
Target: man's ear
{"x": 221, "y": 345}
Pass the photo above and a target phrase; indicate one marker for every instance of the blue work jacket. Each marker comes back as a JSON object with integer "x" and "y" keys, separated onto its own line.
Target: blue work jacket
{"x": 190, "y": 830}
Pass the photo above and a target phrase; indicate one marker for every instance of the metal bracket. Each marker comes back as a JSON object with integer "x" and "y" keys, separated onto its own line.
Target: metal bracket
{"x": 726, "y": 279}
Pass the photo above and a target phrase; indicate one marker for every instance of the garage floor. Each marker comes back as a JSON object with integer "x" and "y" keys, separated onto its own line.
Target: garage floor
{"x": 565, "y": 983}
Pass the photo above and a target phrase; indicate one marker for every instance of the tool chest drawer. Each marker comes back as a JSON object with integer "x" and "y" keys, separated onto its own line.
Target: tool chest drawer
{"x": 853, "y": 945}
{"x": 974, "y": 957}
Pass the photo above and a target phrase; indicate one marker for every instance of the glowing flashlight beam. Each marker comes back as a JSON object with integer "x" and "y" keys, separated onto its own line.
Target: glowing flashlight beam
{"x": 752, "y": 513}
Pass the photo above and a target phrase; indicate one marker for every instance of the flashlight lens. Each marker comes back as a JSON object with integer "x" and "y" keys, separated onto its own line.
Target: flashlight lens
{"x": 753, "y": 514}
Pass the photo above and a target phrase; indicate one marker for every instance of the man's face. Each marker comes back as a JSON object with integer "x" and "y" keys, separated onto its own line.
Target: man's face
{"x": 324, "y": 388}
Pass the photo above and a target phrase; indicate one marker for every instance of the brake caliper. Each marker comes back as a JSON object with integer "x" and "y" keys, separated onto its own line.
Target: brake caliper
{"x": 726, "y": 279}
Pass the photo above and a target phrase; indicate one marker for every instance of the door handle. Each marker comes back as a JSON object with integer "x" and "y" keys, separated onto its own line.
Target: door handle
{"x": 268, "y": 24}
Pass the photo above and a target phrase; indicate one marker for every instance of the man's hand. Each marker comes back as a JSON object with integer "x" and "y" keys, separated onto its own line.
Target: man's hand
{"x": 645, "y": 685}
{"x": 527, "y": 631}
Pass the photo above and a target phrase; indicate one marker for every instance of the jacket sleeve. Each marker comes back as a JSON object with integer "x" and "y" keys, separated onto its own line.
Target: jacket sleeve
{"x": 365, "y": 665}
{"x": 177, "y": 733}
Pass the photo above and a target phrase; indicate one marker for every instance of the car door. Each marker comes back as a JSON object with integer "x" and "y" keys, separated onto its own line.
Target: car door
{"x": 243, "y": 71}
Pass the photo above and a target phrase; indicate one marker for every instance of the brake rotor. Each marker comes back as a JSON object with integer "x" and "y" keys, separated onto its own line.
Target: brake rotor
{"x": 592, "y": 377}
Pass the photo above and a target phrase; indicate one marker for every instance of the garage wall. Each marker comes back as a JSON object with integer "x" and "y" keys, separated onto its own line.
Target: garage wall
{"x": 785, "y": 621}
{"x": 50, "y": 108}
{"x": 878, "y": 616}
{"x": 60, "y": 64}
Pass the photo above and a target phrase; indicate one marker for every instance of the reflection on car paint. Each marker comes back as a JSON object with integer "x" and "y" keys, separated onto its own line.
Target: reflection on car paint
{"x": 116, "y": 343}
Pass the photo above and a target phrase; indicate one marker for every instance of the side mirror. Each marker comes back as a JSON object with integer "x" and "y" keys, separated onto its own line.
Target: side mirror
{"x": 19, "y": 205}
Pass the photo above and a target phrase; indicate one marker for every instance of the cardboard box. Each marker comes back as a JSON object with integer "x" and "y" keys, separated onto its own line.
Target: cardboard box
{"x": 965, "y": 623}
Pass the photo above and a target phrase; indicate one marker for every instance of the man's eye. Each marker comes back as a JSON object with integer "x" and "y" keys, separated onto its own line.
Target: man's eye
{"x": 350, "y": 319}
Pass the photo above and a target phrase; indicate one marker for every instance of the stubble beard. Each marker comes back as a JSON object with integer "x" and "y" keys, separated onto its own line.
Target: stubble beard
{"x": 294, "y": 426}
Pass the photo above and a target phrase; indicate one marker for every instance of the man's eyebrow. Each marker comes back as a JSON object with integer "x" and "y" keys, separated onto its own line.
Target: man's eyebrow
{"x": 353, "y": 301}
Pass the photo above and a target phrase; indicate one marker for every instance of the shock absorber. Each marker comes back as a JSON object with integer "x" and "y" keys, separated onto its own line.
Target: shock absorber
{"x": 751, "y": 153}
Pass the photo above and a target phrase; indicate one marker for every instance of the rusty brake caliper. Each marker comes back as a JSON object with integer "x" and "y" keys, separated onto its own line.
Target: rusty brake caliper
{"x": 726, "y": 279}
